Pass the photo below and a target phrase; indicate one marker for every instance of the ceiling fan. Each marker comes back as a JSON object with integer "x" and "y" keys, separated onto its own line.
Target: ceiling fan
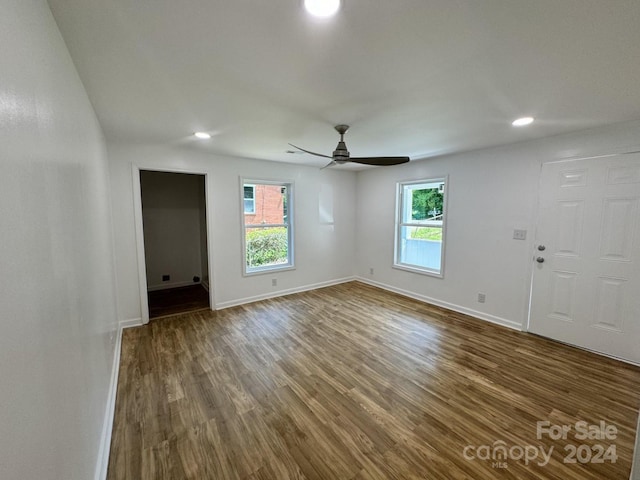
{"x": 341, "y": 154}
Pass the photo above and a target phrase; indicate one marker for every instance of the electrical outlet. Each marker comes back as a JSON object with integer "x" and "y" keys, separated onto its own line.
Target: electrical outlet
{"x": 482, "y": 297}
{"x": 274, "y": 282}
{"x": 519, "y": 234}
{"x": 166, "y": 278}
{"x": 371, "y": 271}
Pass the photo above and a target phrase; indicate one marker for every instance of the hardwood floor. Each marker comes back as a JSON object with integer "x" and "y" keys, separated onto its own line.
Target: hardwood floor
{"x": 352, "y": 382}
{"x": 177, "y": 300}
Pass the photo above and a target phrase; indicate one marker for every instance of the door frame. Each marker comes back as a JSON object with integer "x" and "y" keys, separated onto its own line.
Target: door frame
{"x": 139, "y": 227}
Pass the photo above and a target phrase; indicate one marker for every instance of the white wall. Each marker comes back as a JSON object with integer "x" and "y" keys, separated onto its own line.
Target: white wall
{"x": 171, "y": 206}
{"x": 57, "y": 303}
{"x": 324, "y": 244}
{"x": 490, "y": 193}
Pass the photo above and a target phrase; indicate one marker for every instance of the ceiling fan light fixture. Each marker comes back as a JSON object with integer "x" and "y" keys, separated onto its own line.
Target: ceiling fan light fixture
{"x": 322, "y": 8}
{"x": 202, "y": 135}
{"x": 522, "y": 122}
{"x": 341, "y": 155}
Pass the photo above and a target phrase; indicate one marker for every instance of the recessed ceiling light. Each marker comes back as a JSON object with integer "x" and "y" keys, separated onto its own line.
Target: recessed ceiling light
{"x": 322, "y": 8}
{"x": 202, "y": 135}
{"x": 521, "y": 122}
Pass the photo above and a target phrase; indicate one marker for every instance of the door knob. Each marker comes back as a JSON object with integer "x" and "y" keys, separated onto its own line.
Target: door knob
{"x": 540, "y": 260}
{"x": 541, "y": 248}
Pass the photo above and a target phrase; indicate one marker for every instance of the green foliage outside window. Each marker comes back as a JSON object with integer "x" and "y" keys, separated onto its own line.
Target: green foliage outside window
{"x": 427, "y": 233}
{"x": 266, "y": 246}
{"x": 426, "y": 203}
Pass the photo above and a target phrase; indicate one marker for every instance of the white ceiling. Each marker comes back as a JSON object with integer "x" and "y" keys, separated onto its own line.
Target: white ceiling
{"x": 411, "y": 77}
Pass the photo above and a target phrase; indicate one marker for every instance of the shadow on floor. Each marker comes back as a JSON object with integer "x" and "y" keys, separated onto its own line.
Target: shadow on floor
{"x": 177, "y": 300}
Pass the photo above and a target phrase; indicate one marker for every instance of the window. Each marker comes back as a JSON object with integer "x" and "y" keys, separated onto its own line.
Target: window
{"x": 249, "y": 199}
{"x": 420, "y": 231}
{"x": 267, "y": 228}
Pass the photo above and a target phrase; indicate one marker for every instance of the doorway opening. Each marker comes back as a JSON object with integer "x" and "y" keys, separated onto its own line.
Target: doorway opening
{"x": 174, "y": 224}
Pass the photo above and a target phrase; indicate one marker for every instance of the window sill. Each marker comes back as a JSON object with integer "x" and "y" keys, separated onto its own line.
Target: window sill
{"x": 270, "y": 269}
{"x": 418, "y": 270}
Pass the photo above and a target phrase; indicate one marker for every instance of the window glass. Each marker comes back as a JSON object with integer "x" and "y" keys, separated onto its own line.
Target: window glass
{"x": 267, "y": 226}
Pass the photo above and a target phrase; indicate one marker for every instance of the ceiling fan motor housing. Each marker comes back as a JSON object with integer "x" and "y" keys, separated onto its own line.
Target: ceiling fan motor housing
{"x": 341, "y": 154}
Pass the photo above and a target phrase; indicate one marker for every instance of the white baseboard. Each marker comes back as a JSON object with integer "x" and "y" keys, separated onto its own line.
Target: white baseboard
{"x": 107, "y": 425}
{"x": 439, "y": 303}
{"x": 168, "y": 285}
{"x": 132, "y": 322}
{"x": 281, "y": 293}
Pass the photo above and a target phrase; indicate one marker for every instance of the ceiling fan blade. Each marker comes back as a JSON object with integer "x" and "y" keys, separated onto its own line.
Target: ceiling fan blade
{"x": 380, "y": 161}
{"x": 312, "y": 153}
{"x": 328, "y": 164}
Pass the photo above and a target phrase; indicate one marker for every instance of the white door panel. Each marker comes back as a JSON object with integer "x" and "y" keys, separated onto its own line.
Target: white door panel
{"x": 586, "y": 290}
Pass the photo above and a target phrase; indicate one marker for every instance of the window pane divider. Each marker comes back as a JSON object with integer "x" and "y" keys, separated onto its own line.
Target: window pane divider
{"x": 423, "y": 225}
{"x": 266, "y": 225}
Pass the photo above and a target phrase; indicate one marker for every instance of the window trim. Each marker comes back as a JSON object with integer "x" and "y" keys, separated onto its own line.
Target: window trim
{"x": 253, "y": 199}
{"x": 399, "y": 224}
{"x": 290, "y": 265}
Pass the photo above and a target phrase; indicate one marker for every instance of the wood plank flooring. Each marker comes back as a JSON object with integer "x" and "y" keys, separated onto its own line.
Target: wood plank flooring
{"x": 352, "y": 382}
{"x": 177, "y": 300}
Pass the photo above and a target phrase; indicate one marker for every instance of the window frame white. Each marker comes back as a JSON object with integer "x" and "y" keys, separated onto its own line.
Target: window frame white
{"x": 289, "y": 224}
{"x": 399, "y": 224}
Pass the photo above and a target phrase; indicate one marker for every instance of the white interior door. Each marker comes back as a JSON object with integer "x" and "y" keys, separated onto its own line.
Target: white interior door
{"x": 586, "y": 280}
